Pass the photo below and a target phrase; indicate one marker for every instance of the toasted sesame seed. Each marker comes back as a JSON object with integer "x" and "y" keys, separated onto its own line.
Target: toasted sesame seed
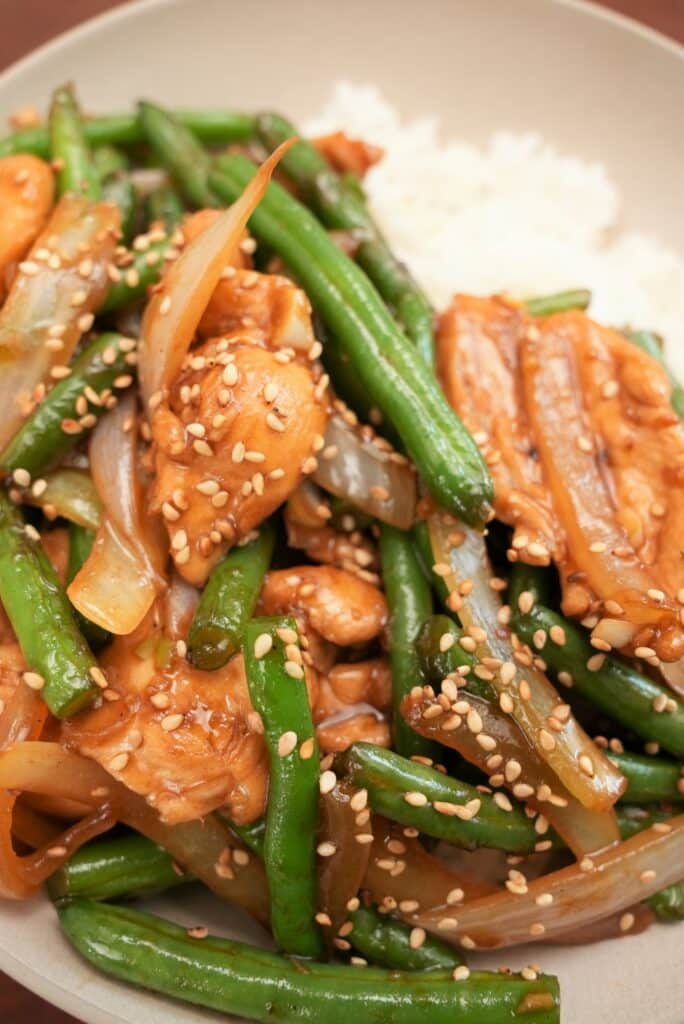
{"x": 327, "y": 781}
{"x": 119, "y": 761}
{"x": 626, "y": 922}
{"x": 647, "y": 876}
{"x": 644, "y": 652}
{"x": 98, "y": 676}
{"x": 522, "y": 790}
{"x": 546, "y": 740}
{"x": 502, "y": 801}
{"x": 526, "y": 602}
{"x": 307, "y": 749}
{"x": 656, "y": 595}
{"x": 544, "y": 899}
{"x": 537, "y": 928}
{"x": 586, "y": 765}
{"x": 417, "y": 937}
{"x": 461, "y": 973}
{"x": 359, "y": 800}
{"x": 33, "y": 680}
{"x": 294, "y": 670}
{"x": 586, "y": 864}
{"x": 415, "y": 799}
{"x": 171, "y": 722}
{"x": 287, "y": 743}
{"x": 525, "y": 691}
{"x": 262, "y": 645}
{"x": 326, "y": 849}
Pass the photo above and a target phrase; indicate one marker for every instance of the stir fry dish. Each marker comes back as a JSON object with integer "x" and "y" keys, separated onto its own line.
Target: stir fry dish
{"x": 311, "y": 592}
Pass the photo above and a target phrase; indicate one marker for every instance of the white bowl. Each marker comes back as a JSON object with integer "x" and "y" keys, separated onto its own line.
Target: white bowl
{"x": 594, "y": 84}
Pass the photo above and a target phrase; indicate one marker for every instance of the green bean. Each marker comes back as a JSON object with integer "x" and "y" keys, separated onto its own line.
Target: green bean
{"x": 558, "y": 302}
{"x": 650, "y": 779}
{"x": 80, "y": 545}
{"x": 109, "y": 160}
{"x": 56, "y": 426}
{"x": 668, "y": 904}
{"x": 649, "y": 342}
{"x": 398, "y": 380}
{"x": 384, "y": 940}
{"x": 210, "y": 126}
{"x": 77, "y": 172}
{"x": 134, "y": 280}
{"x": 235, "y": 978}
{"x": 633, "y": 819}
{"x": 616, "y": 688}
{"x": 251, "y": 835}
{"x": 436, "y": 663}
{"x": 179, "y": 151}
{"x": 228, "y": 601}
{"x": 341, "y": 205}
{"x": 165, "y": 206}
{"x": 410, "y": 604}
{"x": 278, "y": 692}
{"x": 109, "y": 869}
{"x": 388, "y": 777}
{"x": 118, "y": 189}
{"x": 42, "y": 618}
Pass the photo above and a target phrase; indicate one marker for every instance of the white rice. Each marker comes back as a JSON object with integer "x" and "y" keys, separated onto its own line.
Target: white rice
{"x": 515, "y": 216}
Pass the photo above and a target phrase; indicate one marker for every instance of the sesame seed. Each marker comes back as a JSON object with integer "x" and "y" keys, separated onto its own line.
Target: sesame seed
{"x": 544, "y": 899}
{"x": 262, "y": 645}
{"x": 656, "y": 595}
{"x": 21, "y": 477}
{"x": 160, "y": 700}
{"x": 467, "y": 942}
{"x": 171, "y": 722}
{"x": 327, "y": 782}
{"x": 294, "y": 670}
{"x": 323, "y": 919}
{"x": 326, "y": 849}
{"x": 446, "y": 642}
{"x": 586, "y": 864}
{"x": 647, "y": 876}
{"x": 415, "y": 799}
{"x": 626, "y": 922}
{"x": 287, "y": 743}
{"x": 586, "y": 765}
{"x": 364, "y": 838}
{"x": 359, "y": 800}
{"x": 525, "y": 602}
{"x": 546, "y": 740}
{"x": 525, "y": 691}
{"x": 274, "y": 423}
{"x": 644, "y": 652}
{"x": 417, "y": 937}
{"x": 522, "y": 790}
{"x": 502, "y": 801}
{"x": 33, "y": 680}
{"x": 57, "y": 851}
{"x": 461, "y": 973}
{"x": 506, "y": 703}
{"x": 307, "y": 748}
{"x": 98, "y": 676}
{"x": 119, "y": 762}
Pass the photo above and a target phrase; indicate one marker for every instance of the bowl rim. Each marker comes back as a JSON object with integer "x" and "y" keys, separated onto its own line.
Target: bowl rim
{"x": 30, "y": 977}
{"x": 130, "y": 8}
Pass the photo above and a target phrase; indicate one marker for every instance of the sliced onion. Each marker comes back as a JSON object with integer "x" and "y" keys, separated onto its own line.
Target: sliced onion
{"x": 341, "y": 875}
{"x": 480, "y": 607}
{"x": 70, "y": 493}
{"x": 579, "y": 895}
{"x": 198, "y": 846}
{"x": 673, "y": 674}
{"x": 584, "y": 830}
{"x": 41, "y": 299}
{"x": 181, "y": 603}
{"x": 173, "y": 313}
{"x": 122, "y": 576}
{"x": 424, "y": 878}
{"x": 379, "y": 481}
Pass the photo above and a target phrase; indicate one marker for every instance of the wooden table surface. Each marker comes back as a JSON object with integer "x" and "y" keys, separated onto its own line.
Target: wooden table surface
{"x": 26, "y": 25}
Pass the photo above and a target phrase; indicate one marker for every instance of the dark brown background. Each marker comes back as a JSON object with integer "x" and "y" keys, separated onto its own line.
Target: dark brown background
{"x": 25, "y": 25}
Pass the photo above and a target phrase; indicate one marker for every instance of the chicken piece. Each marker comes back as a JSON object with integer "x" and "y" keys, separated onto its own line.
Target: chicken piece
{"x": 188, "y": 741}
{"x": 334, "y": 603}
{"x": 364, "y": 686}
{"x": 478, "y": 365}
{"x": 195, "y": 223}
{"x": 587, "y": 458}
{"x": 240, "y": 431}
{"x": 305, "y": 521}
{"x": 345, "y": 154}
{"x": 612, "y": 453}
{"x": 272, "y": 308}
{"x": 26, "y": 195}
{"x": 341, "y": 732}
